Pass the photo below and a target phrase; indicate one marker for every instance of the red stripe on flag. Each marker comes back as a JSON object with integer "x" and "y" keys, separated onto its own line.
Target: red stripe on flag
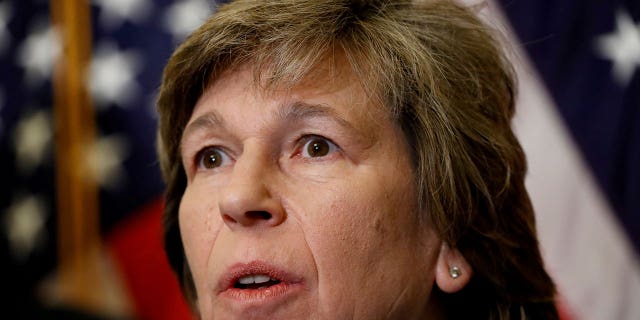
{"x": 136, "y": 244}
{"x": 563, "y": 309}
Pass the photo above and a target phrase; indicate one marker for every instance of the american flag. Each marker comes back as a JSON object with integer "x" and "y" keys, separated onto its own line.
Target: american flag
{"x": 131, "y": 42}
{"x": 578, "y": 119}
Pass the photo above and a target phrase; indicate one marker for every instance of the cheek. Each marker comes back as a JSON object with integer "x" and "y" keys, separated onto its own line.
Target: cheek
{"x": 356, "y": 227}
{"x": 370, "y": 210}
{"x": 362, "y": 226}
{"x": 198, "y": 229}
{"x": 334, "y": 231}
{"x": 353, "y": 227}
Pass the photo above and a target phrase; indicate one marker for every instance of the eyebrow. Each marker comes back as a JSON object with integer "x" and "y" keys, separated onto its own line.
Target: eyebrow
{"x": 287, "y": 113}
{"x": 297, "y": 111}
{"x": 300, "y": 110}
{"x": 210, "y": 119}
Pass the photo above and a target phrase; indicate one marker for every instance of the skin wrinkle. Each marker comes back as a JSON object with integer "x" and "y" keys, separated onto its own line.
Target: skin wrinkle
{"x": 215, "y": 235}
{"x": 291, "y": 112}
{"x": 294, "y": 112}
{"x": 391, "y": 314}
{"x": 209, "y": 243}
{"x": 287, "y": 207}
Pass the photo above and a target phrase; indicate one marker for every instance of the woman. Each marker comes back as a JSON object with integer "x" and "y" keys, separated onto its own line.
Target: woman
{"x": 334, "y": 159}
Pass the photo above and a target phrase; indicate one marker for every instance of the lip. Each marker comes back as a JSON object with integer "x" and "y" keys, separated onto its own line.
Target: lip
{"x": 289, "y": 283}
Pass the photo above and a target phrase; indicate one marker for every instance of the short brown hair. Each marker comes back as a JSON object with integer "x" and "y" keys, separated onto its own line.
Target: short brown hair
{"x": 441, "y": 73}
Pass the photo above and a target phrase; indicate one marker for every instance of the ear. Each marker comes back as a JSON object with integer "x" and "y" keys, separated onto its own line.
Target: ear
{"x": 453, "y": 272}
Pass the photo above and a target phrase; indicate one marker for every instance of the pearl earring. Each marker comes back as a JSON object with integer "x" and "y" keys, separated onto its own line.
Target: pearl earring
{"x": 455, "y": 272}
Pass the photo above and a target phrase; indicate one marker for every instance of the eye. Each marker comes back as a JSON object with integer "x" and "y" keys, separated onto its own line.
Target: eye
{"x": 317, "y": 147}
{"x": 211, "y": 158}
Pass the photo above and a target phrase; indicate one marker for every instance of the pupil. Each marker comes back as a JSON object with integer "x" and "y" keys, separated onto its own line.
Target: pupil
{"x": 212, "y": 159}
{"x": 318, "y": 148}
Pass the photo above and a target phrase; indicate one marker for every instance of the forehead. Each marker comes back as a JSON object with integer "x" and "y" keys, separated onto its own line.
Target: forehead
{"x": 332, "y": 85}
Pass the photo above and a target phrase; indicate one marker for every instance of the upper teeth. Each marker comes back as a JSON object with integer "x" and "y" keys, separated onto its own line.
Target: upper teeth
{"x": 261, "y": 278}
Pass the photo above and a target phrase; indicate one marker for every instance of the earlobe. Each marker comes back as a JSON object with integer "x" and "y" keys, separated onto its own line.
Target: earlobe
{"x": 453, "y": 272}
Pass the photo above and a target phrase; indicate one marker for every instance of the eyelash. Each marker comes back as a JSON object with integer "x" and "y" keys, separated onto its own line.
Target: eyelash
{"x": 302, "y": 146}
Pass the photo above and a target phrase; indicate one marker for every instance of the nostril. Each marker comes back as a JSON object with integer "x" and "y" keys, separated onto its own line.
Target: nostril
{"x": 228, "y": 219}
{"x": 248, "y": 218}
{"x": 258, "y": 215}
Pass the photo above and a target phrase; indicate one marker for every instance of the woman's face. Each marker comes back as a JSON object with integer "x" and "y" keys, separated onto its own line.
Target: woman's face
{"x": 302, "y": 205}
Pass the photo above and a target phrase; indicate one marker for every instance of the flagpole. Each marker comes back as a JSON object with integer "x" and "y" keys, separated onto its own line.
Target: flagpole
{"x": 78, "y": 229}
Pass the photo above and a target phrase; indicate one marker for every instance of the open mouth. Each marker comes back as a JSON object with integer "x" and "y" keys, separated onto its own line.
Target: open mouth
{"x": 258, "y": 281}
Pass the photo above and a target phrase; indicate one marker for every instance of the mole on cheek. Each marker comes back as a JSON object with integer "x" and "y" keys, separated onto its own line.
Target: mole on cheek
{"x": 379, "y": 227}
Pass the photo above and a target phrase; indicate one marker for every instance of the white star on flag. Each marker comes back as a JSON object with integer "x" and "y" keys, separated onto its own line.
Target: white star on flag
{"x": 112, "y": 75}
{"x": 185, "y": 16}
{"x": 24, "y": 224}
{"x": 38, "y": 53}
{"x": 114, "y": 12}
{"x": 32, "y": 140}
{"x": 622, "y": 47}
{"x": 105, "y": 160}
{"x": 5, "y": 37}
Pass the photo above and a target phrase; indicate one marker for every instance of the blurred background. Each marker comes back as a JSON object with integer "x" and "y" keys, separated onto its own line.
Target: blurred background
{"x": 81, "y": 190}
{"x": 81, "y": 193}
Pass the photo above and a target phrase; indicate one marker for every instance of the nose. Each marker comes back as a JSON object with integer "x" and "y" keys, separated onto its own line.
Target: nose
{"x": 248, "y": 198}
